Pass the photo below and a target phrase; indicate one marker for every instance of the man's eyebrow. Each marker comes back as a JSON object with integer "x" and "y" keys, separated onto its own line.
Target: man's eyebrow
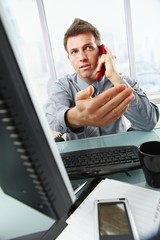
{"x": 84, "y": 46}
{"x": 88, "y": 44}
{"x": 73, "y": 49}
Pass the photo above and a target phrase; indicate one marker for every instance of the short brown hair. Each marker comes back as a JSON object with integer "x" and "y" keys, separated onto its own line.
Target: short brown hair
{"x": 80, "y": 26}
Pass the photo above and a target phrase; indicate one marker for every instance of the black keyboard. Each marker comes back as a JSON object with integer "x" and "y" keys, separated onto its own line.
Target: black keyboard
{"x": 100, "y": 161}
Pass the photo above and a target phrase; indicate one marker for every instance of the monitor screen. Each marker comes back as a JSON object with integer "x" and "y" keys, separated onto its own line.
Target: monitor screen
{"x": 31, "y": 169}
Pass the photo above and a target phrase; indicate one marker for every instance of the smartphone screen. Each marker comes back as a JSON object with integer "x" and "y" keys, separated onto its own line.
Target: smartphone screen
{"x": 113, "y": 221}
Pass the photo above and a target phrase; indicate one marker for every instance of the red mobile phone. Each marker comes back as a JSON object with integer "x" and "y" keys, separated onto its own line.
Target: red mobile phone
{"x": 99, "y": 74}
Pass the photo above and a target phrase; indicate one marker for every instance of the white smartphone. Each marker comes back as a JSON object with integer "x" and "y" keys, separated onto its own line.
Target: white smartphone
{"x": 114, "y": 220}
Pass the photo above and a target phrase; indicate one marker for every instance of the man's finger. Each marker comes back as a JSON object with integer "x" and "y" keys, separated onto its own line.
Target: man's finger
{"x": 84, "y": 94}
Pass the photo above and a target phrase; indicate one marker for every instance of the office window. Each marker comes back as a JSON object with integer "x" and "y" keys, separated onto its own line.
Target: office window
{"x": 25, "y": 22}
{"x": 146, "y": 35}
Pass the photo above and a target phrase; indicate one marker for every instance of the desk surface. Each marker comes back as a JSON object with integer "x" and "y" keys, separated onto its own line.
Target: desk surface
{"x": 16, "y": 219}
{"x": 133, "y": 137}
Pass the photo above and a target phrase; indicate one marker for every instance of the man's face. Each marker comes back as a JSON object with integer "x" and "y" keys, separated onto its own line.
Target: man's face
{"x": 83, "y": 54}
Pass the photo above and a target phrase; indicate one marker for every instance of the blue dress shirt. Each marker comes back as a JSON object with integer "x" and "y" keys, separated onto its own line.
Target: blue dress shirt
{"x": 142, "y": 114}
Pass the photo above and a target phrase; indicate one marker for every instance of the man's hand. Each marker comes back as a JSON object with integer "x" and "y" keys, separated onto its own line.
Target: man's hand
{"x": 101, "y": 110}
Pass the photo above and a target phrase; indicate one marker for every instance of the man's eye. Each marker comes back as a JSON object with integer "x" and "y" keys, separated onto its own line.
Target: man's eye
{"x": 73, "y": 52}
{"x": 89, "y": 48}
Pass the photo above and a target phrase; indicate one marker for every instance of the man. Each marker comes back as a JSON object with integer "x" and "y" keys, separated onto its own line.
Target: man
{"x": 82, "y": 107}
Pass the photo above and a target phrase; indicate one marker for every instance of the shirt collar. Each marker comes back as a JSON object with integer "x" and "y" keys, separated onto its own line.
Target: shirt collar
{"x": 83, "y": 85}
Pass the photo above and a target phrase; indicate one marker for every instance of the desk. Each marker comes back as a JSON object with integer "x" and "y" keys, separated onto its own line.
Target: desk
{"x": 16, "y": 219}
{"x": 129, "y": 138}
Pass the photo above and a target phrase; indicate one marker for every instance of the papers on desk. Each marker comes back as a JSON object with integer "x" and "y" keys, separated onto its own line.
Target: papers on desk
{"x": 144, "y": 203}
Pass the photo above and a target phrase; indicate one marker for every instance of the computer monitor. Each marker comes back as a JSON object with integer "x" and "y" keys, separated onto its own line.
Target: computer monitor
{"x": 31, "y": 169}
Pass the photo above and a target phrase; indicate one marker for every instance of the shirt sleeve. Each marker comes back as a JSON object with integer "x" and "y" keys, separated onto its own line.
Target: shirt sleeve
{"x": 57, "y": 104}
{"x": 142, "y": 113}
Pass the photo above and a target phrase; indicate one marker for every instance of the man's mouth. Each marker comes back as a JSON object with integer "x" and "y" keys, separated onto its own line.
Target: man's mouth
{"x": 85, "y": 66}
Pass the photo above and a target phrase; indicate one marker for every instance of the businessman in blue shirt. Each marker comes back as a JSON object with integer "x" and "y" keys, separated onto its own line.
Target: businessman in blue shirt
{"x": 82, "y": 107}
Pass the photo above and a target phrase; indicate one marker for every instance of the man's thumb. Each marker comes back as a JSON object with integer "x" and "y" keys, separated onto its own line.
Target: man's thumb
{"x": 86, "y": 93}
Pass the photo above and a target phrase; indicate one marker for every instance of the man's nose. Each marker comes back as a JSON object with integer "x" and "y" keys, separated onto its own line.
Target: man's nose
{"x": 82, "y": 55}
